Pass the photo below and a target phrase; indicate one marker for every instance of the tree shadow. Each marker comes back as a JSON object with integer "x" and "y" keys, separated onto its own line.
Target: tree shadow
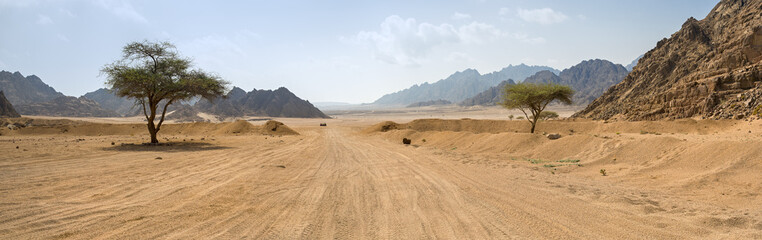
{"x": 166, "y": 147}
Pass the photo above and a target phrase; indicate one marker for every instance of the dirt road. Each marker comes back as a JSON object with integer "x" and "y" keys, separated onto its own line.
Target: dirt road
{"x": 326, "y": 183}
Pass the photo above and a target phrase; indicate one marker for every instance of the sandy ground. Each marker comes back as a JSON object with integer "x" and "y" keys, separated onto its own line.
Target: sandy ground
{"x": 470, "y": 179}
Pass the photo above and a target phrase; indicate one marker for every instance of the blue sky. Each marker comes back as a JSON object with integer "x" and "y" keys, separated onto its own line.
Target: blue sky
{"x": 346, "y": 51}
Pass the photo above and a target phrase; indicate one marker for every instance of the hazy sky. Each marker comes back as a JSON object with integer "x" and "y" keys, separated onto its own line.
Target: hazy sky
{"x": 347, "y": 51}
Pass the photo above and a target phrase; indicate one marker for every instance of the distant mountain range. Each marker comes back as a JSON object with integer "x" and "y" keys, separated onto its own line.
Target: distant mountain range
{"x": 66, "y": 107}
{"x": 430, "y": 103}
{"x": 589, "y": 79}
{"x": 491, "y": 96}
{"x": 25, "y": 90}
{"x": 274, "y": 103}
{"x": 31, "y": 96}
{"x": 459, "y": 86}
{"x": 634, "y": 63}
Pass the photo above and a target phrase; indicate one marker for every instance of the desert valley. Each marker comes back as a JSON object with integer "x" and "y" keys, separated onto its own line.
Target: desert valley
{"x": 668, "y": 147}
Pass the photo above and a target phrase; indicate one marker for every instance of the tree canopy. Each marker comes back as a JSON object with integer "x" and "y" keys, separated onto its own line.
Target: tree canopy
{"x": 154, "y": 75}
{"x": 533, "y": 98}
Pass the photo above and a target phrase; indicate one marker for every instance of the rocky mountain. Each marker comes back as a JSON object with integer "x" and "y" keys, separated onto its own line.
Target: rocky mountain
{"x": 544, "y": 77}
{"x": 710, "y": 68}
{"x": 109, "y": 101}
{"x": 634, "y": 63}
{"x": 277, "y": 103}
{"x": 589, "y": 79}
{"x": 430, "y": 103}
{"x": 6, "y": 108}
{"x": 25, "y": 90}
{"x": 491, "y": 96}
{"x": 458, "y": 86}
{"x": 66, "y": 107}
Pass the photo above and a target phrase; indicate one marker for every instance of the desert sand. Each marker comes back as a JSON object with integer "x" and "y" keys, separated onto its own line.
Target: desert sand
{"x": 477, "y": 178}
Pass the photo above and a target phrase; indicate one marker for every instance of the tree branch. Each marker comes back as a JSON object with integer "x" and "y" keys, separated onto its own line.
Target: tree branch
{"x": 163, "y": 113}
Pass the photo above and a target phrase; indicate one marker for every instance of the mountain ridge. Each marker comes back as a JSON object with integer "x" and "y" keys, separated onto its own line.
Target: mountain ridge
{"x": 458, "y": 86}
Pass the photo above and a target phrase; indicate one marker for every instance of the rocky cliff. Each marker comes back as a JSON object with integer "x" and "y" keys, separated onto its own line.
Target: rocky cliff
{"x": 6, "y": 108}
{"x": 709, "y": 68}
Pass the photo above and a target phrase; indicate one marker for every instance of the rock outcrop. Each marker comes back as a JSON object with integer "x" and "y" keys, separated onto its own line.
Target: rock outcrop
{"x": 277, "y": 103}
{"x": 458, "y": 86}
{"x": 430, "y": 103}
{"x": 6, "y": 108}
{"x": 25, "y": 90}
{"x": 589, "y": 79}
{"x": 490, "y": 97}
{"x": 710, "y": 68}
{"x": 66, "y": 107}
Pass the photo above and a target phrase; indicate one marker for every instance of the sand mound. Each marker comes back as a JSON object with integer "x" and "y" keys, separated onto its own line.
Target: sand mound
{"x": 558, "y": 126}
{"x": 240, "y": 126}
{"x": 382, "y": 127}
{"x": 273, "y": 127}
{"x": 81, "y": 128}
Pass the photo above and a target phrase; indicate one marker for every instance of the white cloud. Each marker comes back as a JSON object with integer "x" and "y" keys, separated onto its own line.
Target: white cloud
{"x": 407, "y": 42}
{"x": 543, "y": 16}
{"x": 44, "y": 20}
{"x": 582, "y": 17}
{"x": 122, "y": 9}
{"x": 460, "y": 16}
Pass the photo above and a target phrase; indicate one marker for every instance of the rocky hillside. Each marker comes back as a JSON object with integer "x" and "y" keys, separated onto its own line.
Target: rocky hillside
{"x": 25, "y": 90}
{"x": 430, "y": 103}
{"x": 589, "y": 79}
{"x": 277, "y": 103}
{"x": 109, "y": 101}
{"x": 459, "y": 86}
{"x": 710, "y": 68}
{"x": 66, "y": 107}
{"x": 490, "y": 97}
{"x": 6, "y": 108}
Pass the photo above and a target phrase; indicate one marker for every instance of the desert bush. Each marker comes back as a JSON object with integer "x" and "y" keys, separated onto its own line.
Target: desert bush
{"x": 548, "y": 115}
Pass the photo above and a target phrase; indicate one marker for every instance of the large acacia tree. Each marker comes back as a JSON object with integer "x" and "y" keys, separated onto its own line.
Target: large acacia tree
{"x": 155, "y": 76}
{"x": 532, "y": 98}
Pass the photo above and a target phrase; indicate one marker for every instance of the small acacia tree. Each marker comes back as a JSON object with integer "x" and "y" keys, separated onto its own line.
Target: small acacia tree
{"x": 532, "y": 98}
{"x": 155, "y": 76}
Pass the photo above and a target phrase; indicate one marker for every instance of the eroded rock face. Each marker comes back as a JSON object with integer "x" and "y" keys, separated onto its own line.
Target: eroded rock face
{"x": 709, "y": 68}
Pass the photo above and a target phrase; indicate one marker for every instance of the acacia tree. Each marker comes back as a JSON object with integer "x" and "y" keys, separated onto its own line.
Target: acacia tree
{"x": 532, "y": 98}
{"x": 155, "y": 76}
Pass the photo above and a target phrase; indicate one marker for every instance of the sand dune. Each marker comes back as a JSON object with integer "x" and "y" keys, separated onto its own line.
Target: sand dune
{"x": 469, "y": 179}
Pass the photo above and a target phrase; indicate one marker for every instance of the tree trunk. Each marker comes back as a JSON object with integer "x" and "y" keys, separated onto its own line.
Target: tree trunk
{"x": 533, "y": 124}
{"x": 152, "y": 131}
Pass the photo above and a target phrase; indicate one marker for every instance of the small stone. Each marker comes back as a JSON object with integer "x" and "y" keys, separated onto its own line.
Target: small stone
{"x": 554, "y": 136}
{"x": 158, "y": 158}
